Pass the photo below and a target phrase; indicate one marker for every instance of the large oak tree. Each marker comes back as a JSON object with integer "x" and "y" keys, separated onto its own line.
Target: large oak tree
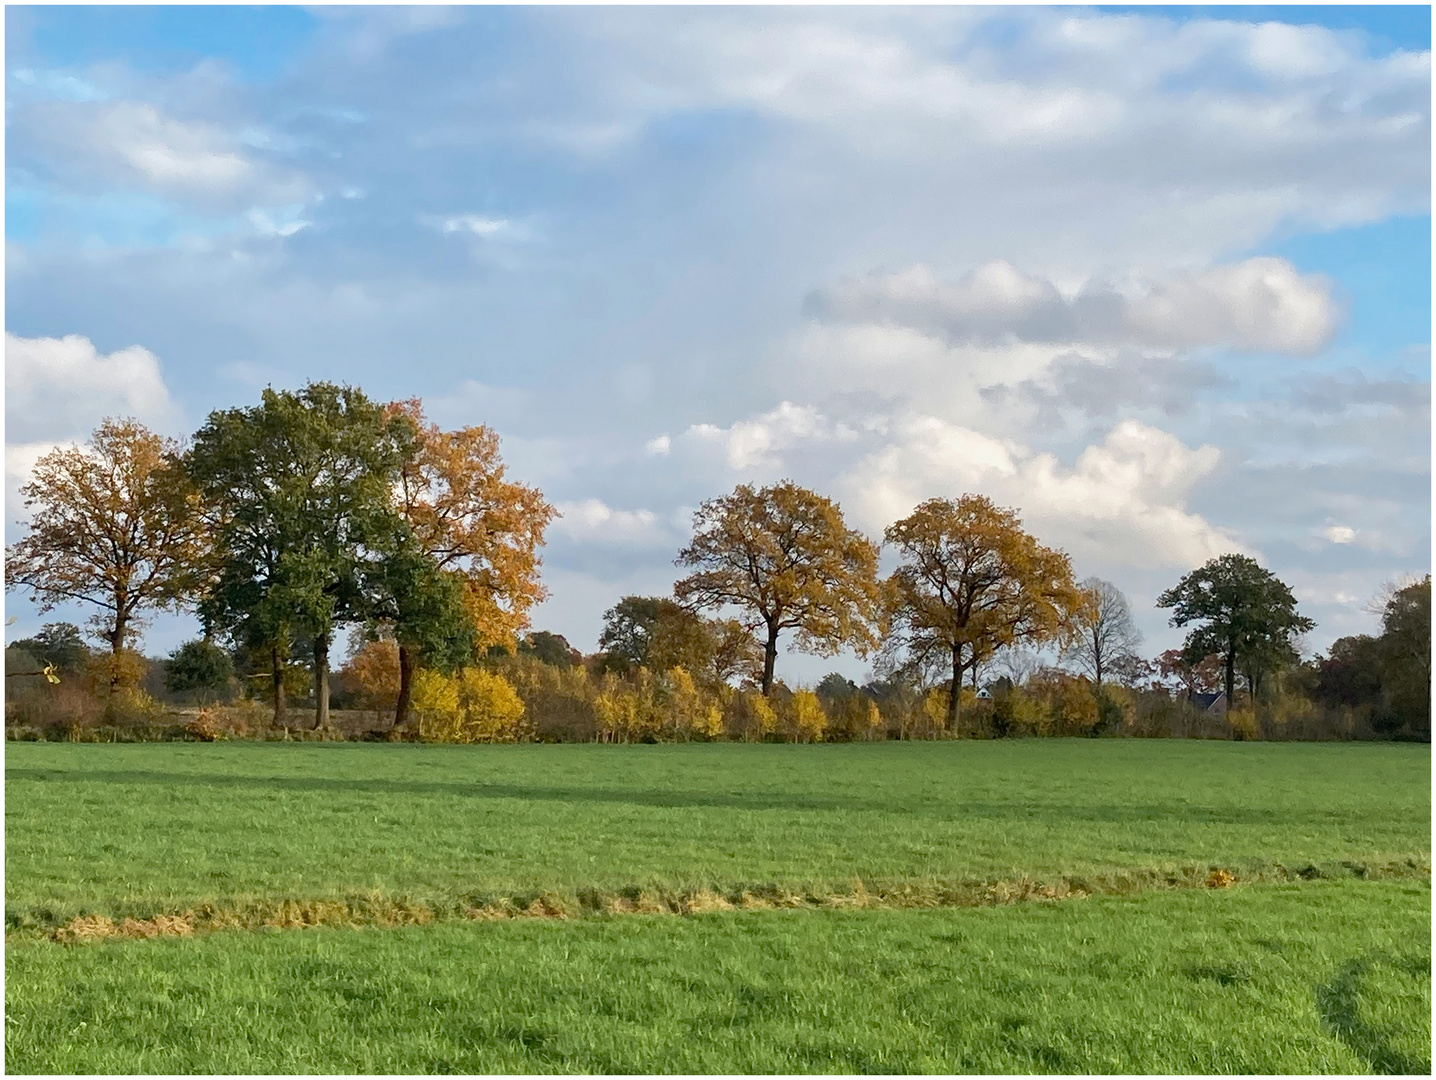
{"x": 971, "y": 582}
{"x": 114, "y": 524}
{"x": 296, "y": 490}
{"x": 784, "y": 557}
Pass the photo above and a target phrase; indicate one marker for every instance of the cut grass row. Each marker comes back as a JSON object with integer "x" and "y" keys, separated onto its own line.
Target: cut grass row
{"x": 1322, "y": 976}
{"x": 131, "y": 831}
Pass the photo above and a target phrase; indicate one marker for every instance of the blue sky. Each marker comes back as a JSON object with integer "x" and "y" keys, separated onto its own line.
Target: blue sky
{"x": 1159, "y": 277}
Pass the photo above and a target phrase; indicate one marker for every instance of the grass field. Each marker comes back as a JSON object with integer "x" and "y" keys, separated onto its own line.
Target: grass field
{"x": 1328, "y": 974}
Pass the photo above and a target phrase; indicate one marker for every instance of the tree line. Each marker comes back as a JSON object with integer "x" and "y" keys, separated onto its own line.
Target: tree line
{"x": 317, "y": 510}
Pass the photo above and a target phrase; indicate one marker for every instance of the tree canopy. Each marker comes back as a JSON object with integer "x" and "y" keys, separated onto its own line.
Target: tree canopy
{"x": 972, "y": 581}
{"x": 783, "y": 556}
{"x": 114, "y": 524}
{"x": 1104, "y": 637}
{"x": 296, "y": 490}
{"x": 1242, "y": 612}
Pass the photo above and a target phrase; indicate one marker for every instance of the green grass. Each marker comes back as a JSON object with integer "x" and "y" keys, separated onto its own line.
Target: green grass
{"x": 1307, "y": 977}
{"x": 136, "y": 829}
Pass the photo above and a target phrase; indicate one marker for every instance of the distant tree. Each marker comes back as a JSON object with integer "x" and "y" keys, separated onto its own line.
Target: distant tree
{"x": 551, "y": 649}
{"x": 1202, "y": 676}
{"x": 114, "y": 524}
{"x": 783, "y": 556}
{"x": 59, "y": 645}
{"x": 1405, "y": 654}
{"x": 200, "y": 667}
{"x": 372, "y": 673}
{"x": 296, "y": 489}
{"x": 1242, "y": 612}
{"x": 1104, "y": 634}
{"x": 836, "y": 688}
{"x": 971, "y": 582}
{"x": 628, "y": 629}
{"x": 1350, "y": 673}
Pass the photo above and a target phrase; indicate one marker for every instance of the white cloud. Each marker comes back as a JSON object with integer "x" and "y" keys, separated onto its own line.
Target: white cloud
{"x": 1262, "y": 303}
{"x": 1121, "y": 503}
{"x": 1339, "y": 534}
{"x": 592, "y": 521}
{"x": 758, "y": 442}
{"x": 479, "y": 225}
{"x": 61, "y": 388}
{"x": 134, "y": 144}
{"x": 659, "y": 446}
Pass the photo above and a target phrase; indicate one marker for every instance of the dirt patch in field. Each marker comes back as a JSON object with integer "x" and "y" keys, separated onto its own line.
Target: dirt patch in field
{"x": 376, "y": 910}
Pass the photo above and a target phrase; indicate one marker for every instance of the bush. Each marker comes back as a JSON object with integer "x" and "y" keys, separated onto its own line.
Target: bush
{"x": 804, "y": 719}
{"x": 473, "y": 705}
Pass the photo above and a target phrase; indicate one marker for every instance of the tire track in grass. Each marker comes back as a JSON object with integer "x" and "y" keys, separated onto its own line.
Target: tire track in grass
{"x": 376, "y": 910}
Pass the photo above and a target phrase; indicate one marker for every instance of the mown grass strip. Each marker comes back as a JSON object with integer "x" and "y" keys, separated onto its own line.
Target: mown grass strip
{"x": 376, "y": 910}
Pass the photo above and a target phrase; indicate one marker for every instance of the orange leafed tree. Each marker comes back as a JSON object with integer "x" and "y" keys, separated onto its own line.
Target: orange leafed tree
{"x": 114, "y": 524}
{"x": 474, "y": 523}
{"x": 971, "y": 582}
{"x": 783, "y": 556}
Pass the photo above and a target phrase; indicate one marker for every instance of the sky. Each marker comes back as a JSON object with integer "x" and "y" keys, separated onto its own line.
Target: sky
{"x": 1157, "y": 277}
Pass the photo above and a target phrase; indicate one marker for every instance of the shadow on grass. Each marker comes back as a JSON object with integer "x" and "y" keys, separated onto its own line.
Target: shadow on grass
{"x": 1184, "y": 815}
{"x": 1339, "y": 1002}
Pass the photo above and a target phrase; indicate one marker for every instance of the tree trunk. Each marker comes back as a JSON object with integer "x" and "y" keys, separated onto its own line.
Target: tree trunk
{"x": 407, "y": 663}
{"x": 955, "y": 694}
{"x": 1097, "y": 658}
{"x": 117, "y": 644}
{"x": 1231, "y": 677}
{"x": 770, "y": 658}
{"x": 321, "y": 682}
{"x": 277, "y": 676}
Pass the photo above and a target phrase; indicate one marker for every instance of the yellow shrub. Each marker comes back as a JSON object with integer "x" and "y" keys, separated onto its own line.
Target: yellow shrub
{"x": 124, "y": 670}
{"x": 615, "y": 709}
{"x": 934, "y": 709}
{"x": 472, "y": 706}
{"x": 1075, "y": 707}
{"x": 491, "y": 708}
{"x": 435, "y": 701}
{"x": 690, "y": 712}
{"x": 756, "y": 715}
{"x": 807, "y": 721}
{"x": 1243, "y": 723}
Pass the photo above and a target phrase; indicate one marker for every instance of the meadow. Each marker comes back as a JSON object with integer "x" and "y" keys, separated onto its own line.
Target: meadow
{"x": 1193, "y": 906}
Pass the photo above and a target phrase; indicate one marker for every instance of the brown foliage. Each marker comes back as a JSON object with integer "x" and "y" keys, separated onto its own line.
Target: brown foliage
{"x": 783, "y": 555}
{"x": 115, "y": 524}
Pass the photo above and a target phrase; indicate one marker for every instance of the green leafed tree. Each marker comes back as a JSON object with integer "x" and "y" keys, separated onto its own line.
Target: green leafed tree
{"x": 295, "y": 490}
{"x": 1239, "y": 611}
{"x": 199, "y": 667}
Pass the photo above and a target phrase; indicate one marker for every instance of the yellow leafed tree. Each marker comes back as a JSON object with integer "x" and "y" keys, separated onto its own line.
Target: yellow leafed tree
{"x": 472, "y": 521}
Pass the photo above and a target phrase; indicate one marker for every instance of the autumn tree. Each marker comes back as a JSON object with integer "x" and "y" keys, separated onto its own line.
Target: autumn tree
{"x": 1202, "y": 675}
{"x": 295, "y": 490}
{"x": 473, "y": 523}
{"x": 783, "y": 556}
{"x": 1103, "y": 634}
{"x": 114, "y": 524}
{"x": 1242, "y": 612}
{"x": 971, "y": 581}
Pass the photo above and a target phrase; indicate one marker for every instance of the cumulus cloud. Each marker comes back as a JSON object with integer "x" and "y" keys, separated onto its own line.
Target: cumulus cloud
{"x": 592, "y": 521}
{"x": 759, "y": 441}
{"x": 61, "y": 388}
{"x": 1123, "y": 502}
{"x": 1262, "y": 303}
{"x": 134, "y": 144}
